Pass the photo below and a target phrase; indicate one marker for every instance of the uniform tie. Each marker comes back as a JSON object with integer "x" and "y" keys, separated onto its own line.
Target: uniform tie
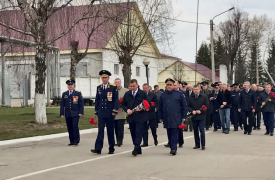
{"x": 70, "y": 93}
{"x": 134, "y": 93}
{"x": 196, "y": 96}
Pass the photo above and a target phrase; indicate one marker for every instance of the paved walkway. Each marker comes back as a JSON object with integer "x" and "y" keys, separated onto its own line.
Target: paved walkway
{"x": 234, "y": 157}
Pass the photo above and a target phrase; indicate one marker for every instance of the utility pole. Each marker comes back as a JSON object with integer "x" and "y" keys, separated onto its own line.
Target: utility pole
{"x": 212, "y": 51}
{"x": 3, "y": 73}
{"x": 257, "y": 65}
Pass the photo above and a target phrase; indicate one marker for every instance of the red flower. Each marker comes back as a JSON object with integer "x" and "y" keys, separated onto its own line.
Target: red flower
{"x": 153, "y": 103}
{"x": 272, "y": 94}
{"x": 120, "y": 101}
{"x": 204, "y": 108}
{"x": 252, "y": 107}
{"x": 146, "y": 104}
{"x": 182, "y": 126}
{"x": 92, "y": 121}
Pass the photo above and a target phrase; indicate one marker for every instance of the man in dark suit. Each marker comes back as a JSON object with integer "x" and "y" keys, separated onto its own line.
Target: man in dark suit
{"x": 247, "y": 105}
{"x": 268, "y": 108}
{"x": 150, "y": 116}
{"x": 214, "y": 99}
{"x": 206, "y": 92}
{"x": 106, "y": 107}
{"x": 196, "y": 101}
{"x": 189, "y": 92}
{"x": 72, "y": 108}
{"x": 136, "y": 115}
{"x": 258, "y": 113}
{"x": 172, "y": 111}
{"x": 236, "y": 115}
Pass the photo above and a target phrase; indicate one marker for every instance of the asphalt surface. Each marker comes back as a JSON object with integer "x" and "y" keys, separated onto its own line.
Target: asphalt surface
{"x": 227, "y": 156}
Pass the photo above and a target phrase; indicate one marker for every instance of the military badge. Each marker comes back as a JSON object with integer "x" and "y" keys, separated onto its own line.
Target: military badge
{"x": 75, "y": 99}
{"x": 110, "y": 96}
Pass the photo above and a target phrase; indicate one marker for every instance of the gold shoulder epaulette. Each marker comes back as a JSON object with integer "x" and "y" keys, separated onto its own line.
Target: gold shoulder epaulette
{"x": 112, "y": 84}
{"x": 77, "y": 91}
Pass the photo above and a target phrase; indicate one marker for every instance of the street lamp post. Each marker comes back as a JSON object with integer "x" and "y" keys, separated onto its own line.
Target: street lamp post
{"x": 212, "y": 44}
{"x": 146, "y": 62}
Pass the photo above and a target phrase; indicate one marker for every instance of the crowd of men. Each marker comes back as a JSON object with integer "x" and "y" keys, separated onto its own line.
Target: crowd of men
{"x": 199, "y": 107}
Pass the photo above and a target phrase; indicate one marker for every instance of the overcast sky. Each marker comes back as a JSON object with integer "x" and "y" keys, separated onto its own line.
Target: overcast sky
{"x": 185, "y": 33}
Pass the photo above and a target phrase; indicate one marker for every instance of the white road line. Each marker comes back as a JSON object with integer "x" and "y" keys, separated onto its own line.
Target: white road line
{"x": 86, "y": 161}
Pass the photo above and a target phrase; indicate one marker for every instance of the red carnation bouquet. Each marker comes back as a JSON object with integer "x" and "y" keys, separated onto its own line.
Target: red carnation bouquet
{"x": 92, "y": 121}
{"x": 182, "y": 126}
{"x": 120, "y": 101}
{"x": 270, "y": 95}
{"x": 144, "y": 106}
{"x": 190, "y": 114}
{"x": 153, "y": 103}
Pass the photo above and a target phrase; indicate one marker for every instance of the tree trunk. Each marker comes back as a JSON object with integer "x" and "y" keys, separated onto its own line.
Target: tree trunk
{"x": 40, "y": 63}
{"x": 127, "y": 72}
{"x": 73, "y": 67}
{"x": 75, "y": 58}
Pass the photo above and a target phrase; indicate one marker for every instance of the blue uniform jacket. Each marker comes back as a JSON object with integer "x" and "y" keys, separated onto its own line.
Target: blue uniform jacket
{"x": 73, "y": 105}
{"x": 172, "y": 108}
{"x": 235, "y": 96}
{"x": 106, "y": 102}
{"x": 270, "y": 105}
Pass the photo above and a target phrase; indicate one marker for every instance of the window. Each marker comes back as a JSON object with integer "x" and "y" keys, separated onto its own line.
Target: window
{"x": 81, "y": 69}
{"x": 116, "y": 69}
{"x": 189, "y": 72}
{"x": 137, "y": 71}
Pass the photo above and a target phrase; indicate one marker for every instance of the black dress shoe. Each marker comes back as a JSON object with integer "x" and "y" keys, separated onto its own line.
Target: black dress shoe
{"x": 96, "y": 151}
{"x": 249, "y": 134}
{"x": 71, "y": 144}
{"x": 266, "y": 133}
{"x": 254, "y": 128}
{"x": 207, "y": 129}
{"x": 111, "y": 152}
{"x": 258, "y": 128}
{"x": 226, "y": 132}
{"x": 203, "y": 148}
{"x": 271, "y": 134}
{"x": 173, "y": 152}
{"x": 241, "y": 128}
{"x": 180, "y": 146}
{"x": 134, "y": 153}
{"x": 167, "y": 145}
{"x": 144, "y": 145}
{"x": 190, "y": 130}
{"x": 196, "y": 147}
{"x": 245, "y": 132}
{"x": 139, "y": 152}
{"x": 75, "y": 144}
{"x": 156, "y": 142}
{"x": 215, "y": 130}
{"x": 235, "y": 129}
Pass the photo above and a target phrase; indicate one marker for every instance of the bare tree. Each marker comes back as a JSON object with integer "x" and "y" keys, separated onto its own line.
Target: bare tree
{"x": 137, "y": 24}
{"x": 33, "y": 17}
{"x": 178, "y": 72}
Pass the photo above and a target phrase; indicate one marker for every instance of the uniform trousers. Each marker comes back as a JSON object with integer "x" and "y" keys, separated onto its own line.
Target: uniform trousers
{"x": 173, "y": 136}
{"x": 198, "y": 125}
{"x": 109, "y": 122}
{"x": 247, "y": 126}
{"x": 269, "y": 122}
{"x": 152, "y": 124}
{"x": 137, "y": 130}
{"x": 119, "y": 130}
{"x": 73, "y": 130}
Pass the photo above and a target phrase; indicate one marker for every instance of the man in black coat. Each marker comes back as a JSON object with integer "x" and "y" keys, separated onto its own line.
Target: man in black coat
{"x": 196, "y": 101}
{"x": 150, "y": 116}
{"x": 136, "y": 115}
{"x": 247, "y": 105}
{"x": 214, "y": 99}
{"x": 268, "y": 108}
{"x": 258, "y": 113}
{"x": 189, "y": 92}
{"x": 206, "y": 92}
{"x": 236, "y": 115}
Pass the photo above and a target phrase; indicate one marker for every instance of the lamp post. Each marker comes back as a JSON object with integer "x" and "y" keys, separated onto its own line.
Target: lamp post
{"x": 212, "y": 44}
{"x": 146, "y": 62}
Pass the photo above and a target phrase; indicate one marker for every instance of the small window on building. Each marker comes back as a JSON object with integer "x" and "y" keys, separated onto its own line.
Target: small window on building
{"x": 116, "y": 69}
{"x": 81, "y": 69}
{"x": 137, "y": 71}
{"x": 189, "y": 72}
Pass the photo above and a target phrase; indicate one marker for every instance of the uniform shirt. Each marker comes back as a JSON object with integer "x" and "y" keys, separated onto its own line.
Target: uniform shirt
{"x": 172, "y": 108}
{"x": 71, "y": 105}
{"x": 106, "y": 101}
{"x": 235, "y": 95}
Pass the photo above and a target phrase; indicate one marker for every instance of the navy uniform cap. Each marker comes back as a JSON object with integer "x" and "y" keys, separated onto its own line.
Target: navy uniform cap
{"x": 169, "y": 81}
{"x": 185, "y": 84}
{"x": 70, "y": 81}
{"x": 236, "y": 85}
{"x": 231, "y": 85}
{"x": 104, "y": 73}
{"x": 204, "y": 83}
{"x": 214, "y": 85}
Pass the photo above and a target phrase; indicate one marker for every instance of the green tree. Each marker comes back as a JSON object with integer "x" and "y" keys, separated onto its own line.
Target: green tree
{"x": 241, "y": 74}
{"x": 270, "y": 62}
{"x": 204, "y": 55}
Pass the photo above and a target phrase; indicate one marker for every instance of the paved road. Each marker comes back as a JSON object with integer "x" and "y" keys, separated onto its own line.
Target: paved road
{"x": 233, "y": 156}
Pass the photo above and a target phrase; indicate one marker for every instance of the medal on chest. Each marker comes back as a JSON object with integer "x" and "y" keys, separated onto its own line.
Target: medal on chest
{"x": 109, "y": 96}
{"x": 75, "y": 99}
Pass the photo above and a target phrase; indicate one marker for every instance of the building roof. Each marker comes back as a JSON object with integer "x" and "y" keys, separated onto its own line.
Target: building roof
{"x": 63, "y": 18}
{"x": 203, "y": 70}
{"x": 165, "y": 56}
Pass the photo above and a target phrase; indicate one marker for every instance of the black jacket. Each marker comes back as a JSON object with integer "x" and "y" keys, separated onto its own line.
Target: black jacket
{"x": 225, "y": 96}
{"x": 248, "y": 100}
{"x": 258, "y": 106}
{"x": 129, "y": 102}
{"x": 269, "y": 106}
{"x": 196, "y": 104}
{"x": 152, "y": 97}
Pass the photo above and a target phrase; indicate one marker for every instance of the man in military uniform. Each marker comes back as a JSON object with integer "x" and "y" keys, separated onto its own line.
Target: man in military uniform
{"x": 215, "y": 106}
{"x": 151, "y": 117}
{"x": 206, "y": 92}
{"x": 121, "y": 115}
{"x": 106, "y": 107}
{"x": 72, "y": 107}
{"x": 258, "y": 112}
{"x": 236, "y": 115}
{"x": 172, "y": 111}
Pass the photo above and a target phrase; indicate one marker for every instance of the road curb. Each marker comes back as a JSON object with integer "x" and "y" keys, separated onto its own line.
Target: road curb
{"x": 46, "y": 137}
